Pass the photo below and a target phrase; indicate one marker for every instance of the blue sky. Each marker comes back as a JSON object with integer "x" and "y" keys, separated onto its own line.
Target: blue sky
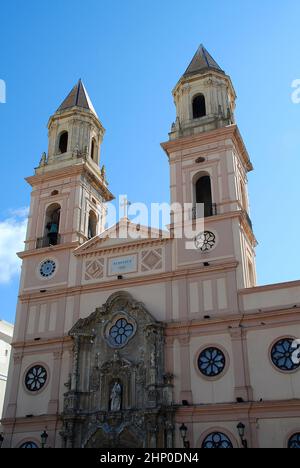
{"x": 130, "y": 54}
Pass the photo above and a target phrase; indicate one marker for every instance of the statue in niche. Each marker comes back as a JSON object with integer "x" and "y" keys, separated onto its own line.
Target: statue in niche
{"x": 116, "y": 397}
{"x": 77, "y": 153}
{"x": 152, "y": 359}
{"x": 43, "y": 161}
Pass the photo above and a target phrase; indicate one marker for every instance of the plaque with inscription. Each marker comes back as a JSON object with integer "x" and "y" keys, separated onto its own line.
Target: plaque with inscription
{"x": 122, "y": 265}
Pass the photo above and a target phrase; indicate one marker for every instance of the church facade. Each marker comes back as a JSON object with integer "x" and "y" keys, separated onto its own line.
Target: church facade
{"x": 137, "y": 341}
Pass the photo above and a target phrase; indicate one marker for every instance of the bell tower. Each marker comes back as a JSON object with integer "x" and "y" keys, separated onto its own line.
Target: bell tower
{"x": 69, "y": 190}
{"x": 209, "y": 165}
{"x": 75, "y": 130}
{"x": 204, "y": 97}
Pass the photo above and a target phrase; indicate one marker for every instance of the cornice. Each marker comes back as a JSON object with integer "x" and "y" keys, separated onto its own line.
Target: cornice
{"x": 270, "y": 409}
{"x": 35, "y": 422}
{"x": 242, "y": 321}
{"x": 270, "y": 287}
{"x": 206, "y": 138}
{"x": 69, "y": 171}
{"x": 47, "y": 250}
{"x": 136, "y": 281}
{"x": 54, "y": 344}
{"x": 97, "y": 249}
{"x": 76, "y": 113}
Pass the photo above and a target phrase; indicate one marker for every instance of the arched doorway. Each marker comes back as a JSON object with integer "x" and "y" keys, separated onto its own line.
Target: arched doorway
{"x": 124, "y": 440}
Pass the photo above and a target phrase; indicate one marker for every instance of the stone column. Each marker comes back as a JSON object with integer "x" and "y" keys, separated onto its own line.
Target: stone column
{"x": 74, "y": 380}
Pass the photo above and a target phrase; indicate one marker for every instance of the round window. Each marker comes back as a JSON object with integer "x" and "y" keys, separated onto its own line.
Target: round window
{"x": 29, "y": 444}
{"x": 205, "y": 241}
{"x": 285, "y": 356}
{"x": 35, "y": 378}
{"x": 217, "y": 440}
{"x": 294, "y": 441}
{"x": 211, "y": 362}
{"x": 121, "y": 332}
{"x": 47, "y": 268}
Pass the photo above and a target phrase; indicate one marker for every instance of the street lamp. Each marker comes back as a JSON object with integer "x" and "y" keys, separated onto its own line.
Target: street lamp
{"x": 241, "y": 430}
{"x": 1, "y": 440}
{"x": 183, "y": 432}
{"x": 44, "y": 437}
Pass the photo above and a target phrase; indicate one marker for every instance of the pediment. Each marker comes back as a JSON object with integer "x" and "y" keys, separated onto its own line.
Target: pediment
{"x": 122, "y": 235}
{"x": 121, "y": 300}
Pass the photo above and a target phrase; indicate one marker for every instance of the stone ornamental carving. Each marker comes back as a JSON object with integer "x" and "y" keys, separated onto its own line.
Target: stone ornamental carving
{"x": 205, "y": 241}
{"x": 94, "y": 269}
{"x": 118, "y": 390}
{"x": 151, "y": 260}
{"x": 116, "y": 397}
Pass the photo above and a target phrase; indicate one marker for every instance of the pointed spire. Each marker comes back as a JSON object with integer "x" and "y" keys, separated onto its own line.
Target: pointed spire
{"x": 202, "y": 61}
{"x": 78, "y": 97}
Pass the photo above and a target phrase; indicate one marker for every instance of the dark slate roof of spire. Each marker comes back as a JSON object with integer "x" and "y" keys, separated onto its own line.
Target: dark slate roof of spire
{"x": 78, "y": 97}
{"x": 202, "y": 61}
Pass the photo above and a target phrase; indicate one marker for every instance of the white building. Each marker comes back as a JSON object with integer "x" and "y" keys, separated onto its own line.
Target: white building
{"x": 6, "y": 333}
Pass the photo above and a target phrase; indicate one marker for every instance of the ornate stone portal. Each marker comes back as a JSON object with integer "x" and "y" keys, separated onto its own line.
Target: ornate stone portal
{"x": 119, "y": 395}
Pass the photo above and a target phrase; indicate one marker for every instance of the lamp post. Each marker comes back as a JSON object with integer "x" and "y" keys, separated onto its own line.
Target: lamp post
{"x": 183, "y": 432}
{"x": 1, "y": 440}
{"x": 241, "y": 430}
{"x": 44, "y": 437}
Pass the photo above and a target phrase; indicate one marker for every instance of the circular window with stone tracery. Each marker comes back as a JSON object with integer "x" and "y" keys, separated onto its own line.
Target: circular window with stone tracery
{"x": 211, "y": 362}
{"x": 285, "y": 355}
{"x": 35, "y": 378}
{"x": 294, "y": 441}
{"x": 217, "y": 440}
{"x": 205, "y": 241}
{"x": 120, "y": 330}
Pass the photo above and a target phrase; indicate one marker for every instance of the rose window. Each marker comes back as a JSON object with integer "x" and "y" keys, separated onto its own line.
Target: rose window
{"x": 211, "y": 362}
{"x": 285, "y": 356}
{"x": 205, "y": 241}
{"x": 35, "y": 378}
{"x": 294, "y": 442}
{"x": 121, "y": 332}
{"x": 29, "y": 445}
{"x": 217, "y": 440}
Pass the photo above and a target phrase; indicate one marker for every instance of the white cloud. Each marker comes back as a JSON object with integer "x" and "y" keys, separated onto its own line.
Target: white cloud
{"x": 20, "y": 212}
{"x": 12, "y": 236}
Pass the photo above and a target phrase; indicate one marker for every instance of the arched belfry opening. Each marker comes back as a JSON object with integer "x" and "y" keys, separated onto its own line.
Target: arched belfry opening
{"x": 199, "y": 106}
{"x": 203, "y": 196}
{"x": 52, "y": 224}
{"x": 63, "y": 142}
{"x": 92, "y": 225}
{"x": 94, "y": 150}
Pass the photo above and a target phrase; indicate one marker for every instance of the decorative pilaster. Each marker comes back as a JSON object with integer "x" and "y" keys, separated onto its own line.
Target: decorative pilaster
{"x": 53, "y": 405}
{"x": 243, "y": 387}
{"x": 186, "y": 391}
{"x": 15, "y": 384}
